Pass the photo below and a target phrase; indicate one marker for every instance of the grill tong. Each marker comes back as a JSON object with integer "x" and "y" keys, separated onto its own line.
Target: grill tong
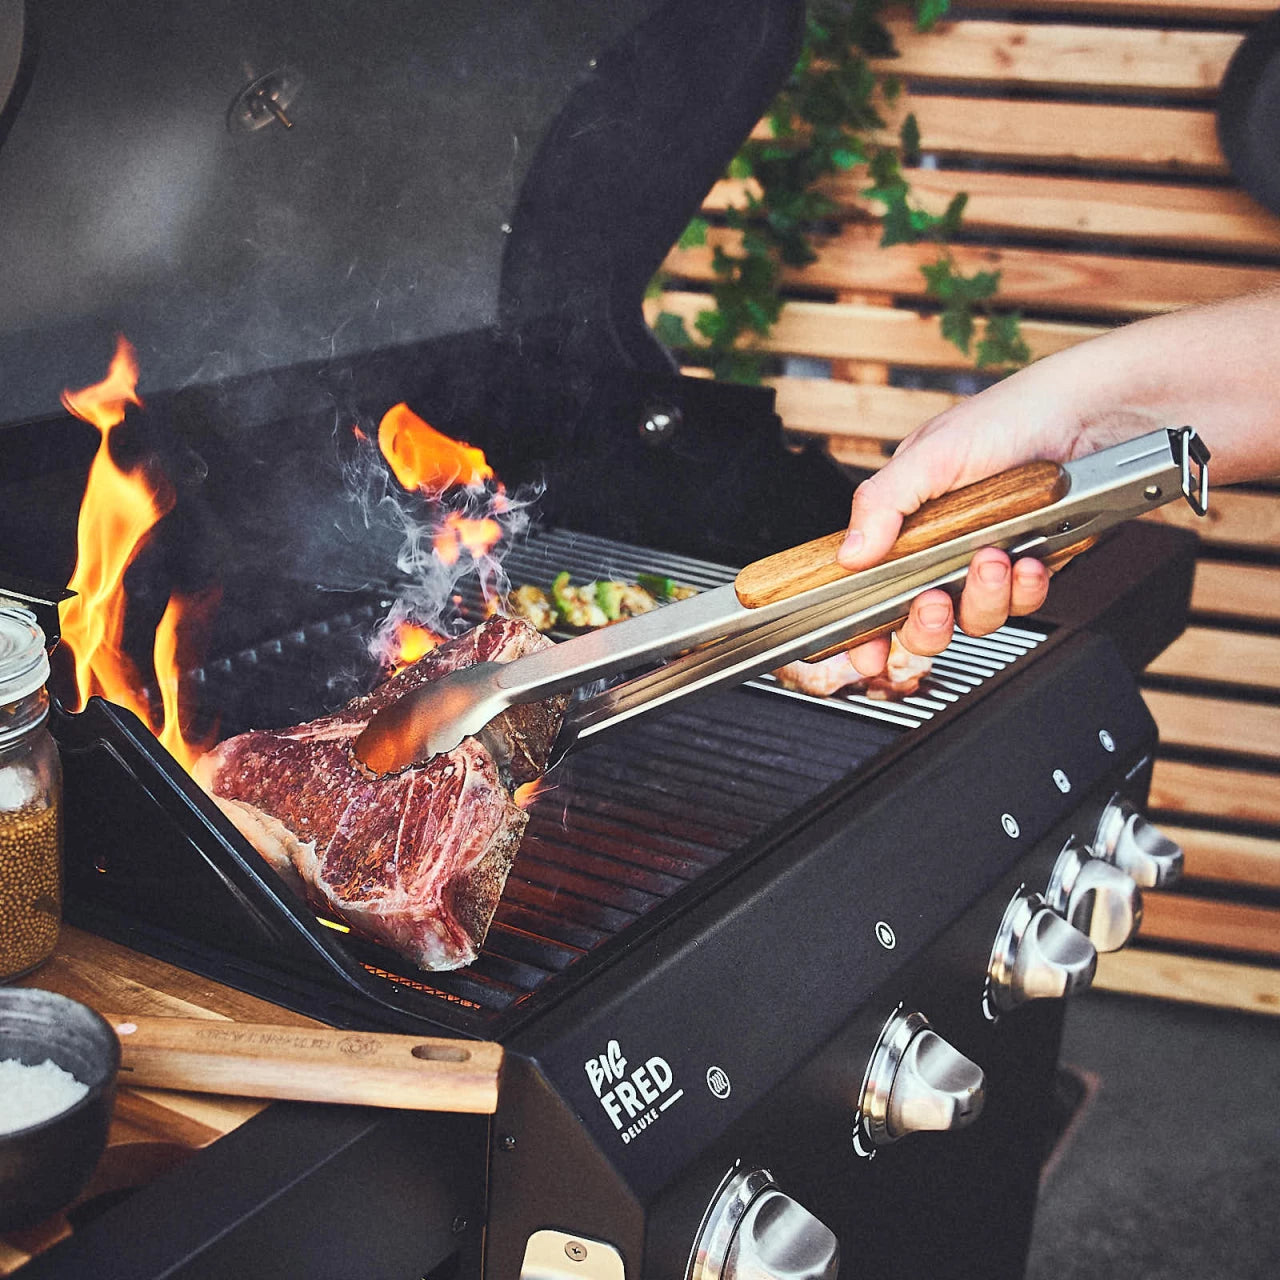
{"x": 798, "y": 603}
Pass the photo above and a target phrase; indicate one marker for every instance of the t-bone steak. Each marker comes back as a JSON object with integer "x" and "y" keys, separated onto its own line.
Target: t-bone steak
{"x": 416, "y": 860}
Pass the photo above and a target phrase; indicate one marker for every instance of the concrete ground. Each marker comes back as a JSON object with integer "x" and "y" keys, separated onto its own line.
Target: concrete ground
{"x": 1171, "y": 1169}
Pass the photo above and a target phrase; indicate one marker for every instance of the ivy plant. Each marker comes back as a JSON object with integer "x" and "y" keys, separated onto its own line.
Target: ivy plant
{"x": 825, "y": 122}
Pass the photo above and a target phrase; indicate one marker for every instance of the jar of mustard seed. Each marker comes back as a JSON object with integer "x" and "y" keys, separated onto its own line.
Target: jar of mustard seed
{"x": 30, "y": 801}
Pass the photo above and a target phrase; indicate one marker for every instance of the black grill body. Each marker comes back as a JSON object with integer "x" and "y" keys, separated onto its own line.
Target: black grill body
{"x": 714, "y": 888}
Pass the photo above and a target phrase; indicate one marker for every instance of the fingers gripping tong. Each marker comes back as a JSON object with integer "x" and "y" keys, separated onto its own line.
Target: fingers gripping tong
{"x": 798, "y": 603}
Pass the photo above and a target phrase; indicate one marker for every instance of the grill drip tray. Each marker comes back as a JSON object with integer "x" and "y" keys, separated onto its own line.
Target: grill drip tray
{"x": 617, "y": 835}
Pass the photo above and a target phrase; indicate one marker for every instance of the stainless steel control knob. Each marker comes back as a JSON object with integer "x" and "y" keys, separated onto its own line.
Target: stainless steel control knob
{"x": 779, "y": 1239}
{"x": 1139, "y": 848}
{"x": 1095, "y": 897}
{"x": 1037, "y": 955}
{"x": 753, "y": 1231}
{"x": 916, "y": 1083}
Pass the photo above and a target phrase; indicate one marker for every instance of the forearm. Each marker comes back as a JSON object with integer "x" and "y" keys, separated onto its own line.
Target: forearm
{"x": 1215, "y": 368}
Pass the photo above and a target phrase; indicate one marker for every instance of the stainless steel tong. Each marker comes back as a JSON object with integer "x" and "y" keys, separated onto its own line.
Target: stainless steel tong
{"x": 798, "y": 603}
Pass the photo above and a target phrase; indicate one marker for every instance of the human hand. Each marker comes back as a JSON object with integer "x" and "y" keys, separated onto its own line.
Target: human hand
{"x": 1024, "y": 418}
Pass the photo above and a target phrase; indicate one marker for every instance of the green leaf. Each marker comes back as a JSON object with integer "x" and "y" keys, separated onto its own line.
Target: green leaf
{"x": 909, "y": 139}
{"x": 928, "y": 12}
{"x": 957, "y": 327}
{"x": 1002, "y": 342}
{"x": 670, "y": 330}
{"x": 951, "y": 219}
{"x": 694, "y": 234}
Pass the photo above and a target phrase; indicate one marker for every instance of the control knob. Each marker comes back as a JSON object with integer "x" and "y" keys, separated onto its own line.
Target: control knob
{"x": 1139, "y": 848}
{"x": 1094, "y": 897}
{"x": 1037, "y": 955}
{"x": 916, "y": 1083}
{"x": 753, "y": 1231}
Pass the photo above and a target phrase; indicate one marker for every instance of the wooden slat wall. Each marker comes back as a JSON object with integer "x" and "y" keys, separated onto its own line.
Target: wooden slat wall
{"x": 1084, "y": 133}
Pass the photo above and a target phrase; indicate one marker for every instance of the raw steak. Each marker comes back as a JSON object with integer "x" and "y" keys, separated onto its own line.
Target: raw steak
{"x": 415, "y": 860}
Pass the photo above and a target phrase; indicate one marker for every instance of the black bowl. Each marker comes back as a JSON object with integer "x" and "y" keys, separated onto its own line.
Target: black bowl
{"x": 45, "y": 1166}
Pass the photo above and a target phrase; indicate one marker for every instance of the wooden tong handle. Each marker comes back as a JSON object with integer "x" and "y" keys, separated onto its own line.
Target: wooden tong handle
{"x": 309, "y": 1064}
{"x": 813, "y": 564}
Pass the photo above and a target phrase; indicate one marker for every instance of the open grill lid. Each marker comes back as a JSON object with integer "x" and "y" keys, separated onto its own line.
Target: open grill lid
{"x": 452, "y": 170}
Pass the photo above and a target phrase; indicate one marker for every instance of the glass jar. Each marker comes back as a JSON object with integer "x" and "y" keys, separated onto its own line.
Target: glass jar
{"x": 30, "y": 801}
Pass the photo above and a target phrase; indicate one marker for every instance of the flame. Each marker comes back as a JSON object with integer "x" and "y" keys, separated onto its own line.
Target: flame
{"x": 409, "y": 643}
{"x": 118, "y": 510}
{"x": 422, "y": 458}
{"x": 525, "y": 794}
{"x": 459, "y": 533}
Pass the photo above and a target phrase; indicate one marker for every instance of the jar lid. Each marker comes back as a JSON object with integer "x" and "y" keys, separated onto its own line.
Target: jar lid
{"x": 24, "y": 665}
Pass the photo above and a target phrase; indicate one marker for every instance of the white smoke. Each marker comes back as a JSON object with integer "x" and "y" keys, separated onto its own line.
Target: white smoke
{"x": 445, "y": 585}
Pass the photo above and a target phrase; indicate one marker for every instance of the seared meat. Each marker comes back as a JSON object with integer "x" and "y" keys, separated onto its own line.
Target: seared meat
{"x": 415, "y": 860}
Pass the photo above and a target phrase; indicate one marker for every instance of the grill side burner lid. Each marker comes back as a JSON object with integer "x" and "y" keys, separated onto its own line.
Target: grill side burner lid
{"x": 242, "y": 188}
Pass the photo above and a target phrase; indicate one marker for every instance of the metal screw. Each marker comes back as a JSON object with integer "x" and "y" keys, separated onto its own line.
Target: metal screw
{"x": 507, "y": 1142}
{"x": 576, "y": 1251}
{"x": 1151, "y": 492}
{"x": 458, "y": 1226}
{"x": 505, "y": 228}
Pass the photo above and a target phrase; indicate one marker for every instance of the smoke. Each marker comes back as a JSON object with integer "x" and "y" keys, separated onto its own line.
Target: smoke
{"x": 452, "y": 542}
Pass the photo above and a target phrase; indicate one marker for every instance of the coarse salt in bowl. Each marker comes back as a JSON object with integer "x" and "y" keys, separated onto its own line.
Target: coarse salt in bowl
{"x": 62, "y": 1115}
{"x": 31, "y": 1093}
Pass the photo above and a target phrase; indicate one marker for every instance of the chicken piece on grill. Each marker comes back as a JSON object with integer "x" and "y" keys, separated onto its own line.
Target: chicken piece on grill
{"x": 415, "y": 860}
{"x": 900, "y": 678}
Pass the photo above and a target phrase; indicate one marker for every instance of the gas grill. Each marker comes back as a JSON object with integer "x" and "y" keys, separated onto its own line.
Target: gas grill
{"x": 761, "y": 960}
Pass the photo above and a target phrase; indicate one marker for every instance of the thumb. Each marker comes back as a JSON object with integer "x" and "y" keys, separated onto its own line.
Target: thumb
{"x": 873, "y": 528}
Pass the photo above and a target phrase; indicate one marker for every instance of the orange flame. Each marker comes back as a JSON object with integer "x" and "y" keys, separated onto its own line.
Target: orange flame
{"x": 119, "y": 508}
{"x": 461, "y": 533}
{"x": 525, "y": 794}
{"x": 410, "y": 643}
{"x": 422, "y": 458}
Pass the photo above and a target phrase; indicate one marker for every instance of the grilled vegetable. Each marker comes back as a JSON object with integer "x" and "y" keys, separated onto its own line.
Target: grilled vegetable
{"x": 609, "y": 598}
{"x": 595, "y": 604}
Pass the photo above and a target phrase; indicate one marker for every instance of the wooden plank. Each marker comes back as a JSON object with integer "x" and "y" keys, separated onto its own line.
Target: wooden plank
{"x": 1060, "y": 56}
{"x": 1171, "y": 139}
{"x": 1228, "y": 857}
{"x": 1208, "y": 922}
{"x": 1224, "y": 984}
{"x": 1192, "y": 720}
{"x": 1051, "y": 207}
{"x": 1228, "y": 657}
{"x": 825, "y": 407}
{"x": 1210, "y": 791}
{"x": 1237, "y": 518}
{"x": 893, "y": 335}
{"x": 1085, "y": 284}
{"x": 1243, "y": 590}
{"x": 1184, "y": 10}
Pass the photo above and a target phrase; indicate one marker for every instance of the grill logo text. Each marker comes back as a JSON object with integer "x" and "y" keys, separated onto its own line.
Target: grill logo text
{"x": 632, "y": 1099}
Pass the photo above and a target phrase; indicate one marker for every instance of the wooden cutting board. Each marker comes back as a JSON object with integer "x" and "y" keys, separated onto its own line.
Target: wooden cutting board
{"x": 152, "y": 1130}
